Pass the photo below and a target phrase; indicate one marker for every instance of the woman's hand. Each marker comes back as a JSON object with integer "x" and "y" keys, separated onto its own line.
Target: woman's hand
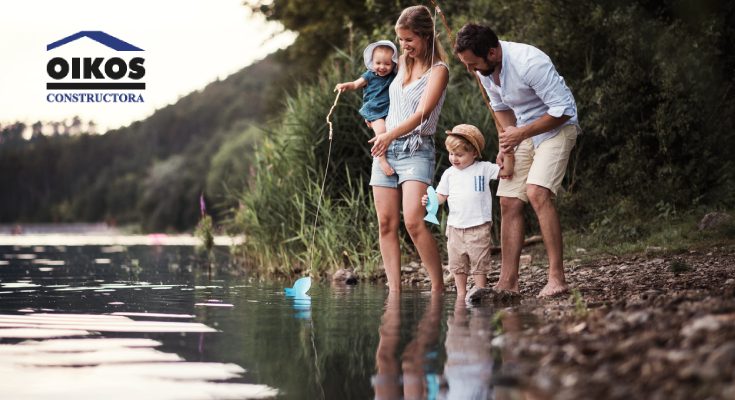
{"x": 380, "y": 144}
{"x": 425, "y": 200}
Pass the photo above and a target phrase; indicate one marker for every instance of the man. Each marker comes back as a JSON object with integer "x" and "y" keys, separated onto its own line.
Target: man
{"x": 538, "y": 117}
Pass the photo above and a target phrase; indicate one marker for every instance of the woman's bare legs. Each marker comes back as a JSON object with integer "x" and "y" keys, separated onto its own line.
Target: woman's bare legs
{"x": 413, "y": 217}
{"x": 387, "y": 204}
{"x": 387, "y": 380}
{"x": 379, "y": 127}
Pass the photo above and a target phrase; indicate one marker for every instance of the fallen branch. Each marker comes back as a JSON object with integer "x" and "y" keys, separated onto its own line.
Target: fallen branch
{"x": 529, "y": 241}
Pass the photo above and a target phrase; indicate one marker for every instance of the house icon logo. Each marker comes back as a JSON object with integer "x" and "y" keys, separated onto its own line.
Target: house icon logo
{"x": 98, "y": 36}
{"x": 122, "y": 72}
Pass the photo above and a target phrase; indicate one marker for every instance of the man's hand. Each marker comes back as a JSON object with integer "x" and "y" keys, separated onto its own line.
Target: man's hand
{"x": 511, "y": 137}
{"x": 380, "y": 144}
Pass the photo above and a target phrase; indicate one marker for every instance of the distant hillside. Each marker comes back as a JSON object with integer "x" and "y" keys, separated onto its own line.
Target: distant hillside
{"x": 150, "y": 172}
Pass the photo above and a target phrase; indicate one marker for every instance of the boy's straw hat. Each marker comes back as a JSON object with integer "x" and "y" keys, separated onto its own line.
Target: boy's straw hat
{"x": 471, "y": 134}
{"x": 367, "y": 55}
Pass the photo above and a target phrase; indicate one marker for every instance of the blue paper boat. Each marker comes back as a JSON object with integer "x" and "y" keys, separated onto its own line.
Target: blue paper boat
{"x": 300, "y": 287}
{"x": 432, "y": 206}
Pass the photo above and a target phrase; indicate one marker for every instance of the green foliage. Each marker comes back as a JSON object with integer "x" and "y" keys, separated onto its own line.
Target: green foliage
{"x": 678, "y": 266}
{"x": 497, "y": 322}
{"x": 653, "y": 83}
{"x": 231, "y": 165}
{"x": 149, "y": 173}
{"x": 205, "y": 232}
{"x": 278, "y": 210}
{"x": 324, "y": 26}
{"x": 668, "y": 232}
{"x": 651, "y": 87}
{"x": 580, "y": 306}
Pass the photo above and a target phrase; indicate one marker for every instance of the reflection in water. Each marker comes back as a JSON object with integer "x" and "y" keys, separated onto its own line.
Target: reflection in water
{"x": 472, "y": 370}
{"x": 326, "y": 346}
{"x": 469, "y": 366}
{"x": 301, "y": 302}
{"x": 414, "y": 379}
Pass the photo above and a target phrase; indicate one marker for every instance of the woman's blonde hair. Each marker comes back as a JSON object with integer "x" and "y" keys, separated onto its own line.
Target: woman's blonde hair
{"x": 454, "y": 142}
{"x": 418, "y": 20}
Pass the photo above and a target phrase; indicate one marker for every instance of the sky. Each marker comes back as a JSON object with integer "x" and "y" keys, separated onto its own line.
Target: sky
{"x": 186, "y": 45}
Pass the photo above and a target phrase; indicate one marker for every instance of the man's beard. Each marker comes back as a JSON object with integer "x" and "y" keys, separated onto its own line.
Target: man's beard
{"x": 490, "y": 68}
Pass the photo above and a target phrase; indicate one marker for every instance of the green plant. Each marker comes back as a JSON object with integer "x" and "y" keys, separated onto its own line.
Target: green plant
{"x": 678, "y": 266}
{"x": 580, "y": 306}
{"x": 205, "y": 232}
{"x": 497, "y": 321}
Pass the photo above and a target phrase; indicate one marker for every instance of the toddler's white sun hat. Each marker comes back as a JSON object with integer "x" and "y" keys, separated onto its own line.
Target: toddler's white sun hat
{"x": 367, "y": 55}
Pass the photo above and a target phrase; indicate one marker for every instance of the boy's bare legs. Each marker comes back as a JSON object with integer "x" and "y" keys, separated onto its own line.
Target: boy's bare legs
{"x": 542, "y": 201}
{"x": 460, "y": 281}
{"x": 387, "y": 205}
{"x": 511, "y": 242}
{"x": 480, "y": 280}
{"x": 413, "y": 217}
{"x": 379, "y": 127}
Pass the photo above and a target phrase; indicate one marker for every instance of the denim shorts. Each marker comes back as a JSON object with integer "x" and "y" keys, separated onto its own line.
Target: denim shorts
{"x": 418, "y": 166}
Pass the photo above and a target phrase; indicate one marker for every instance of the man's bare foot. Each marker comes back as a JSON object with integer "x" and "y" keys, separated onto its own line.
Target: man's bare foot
{"x": 387, "y": 169}
{"x": 553, "y": 289}
{"x": 506, "y": 287}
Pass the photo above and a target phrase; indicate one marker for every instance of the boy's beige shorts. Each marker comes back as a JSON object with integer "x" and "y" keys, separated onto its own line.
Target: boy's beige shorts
{"x": 469, "y": 249}
{"x": 544, "y": 166}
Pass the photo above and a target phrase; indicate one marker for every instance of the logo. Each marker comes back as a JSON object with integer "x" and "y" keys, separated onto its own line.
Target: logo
{"x": 94, "y": 77}
{"x": 480, "y": 183}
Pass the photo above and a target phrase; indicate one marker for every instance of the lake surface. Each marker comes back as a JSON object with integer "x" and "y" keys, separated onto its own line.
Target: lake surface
{"x": 156, "y": 322}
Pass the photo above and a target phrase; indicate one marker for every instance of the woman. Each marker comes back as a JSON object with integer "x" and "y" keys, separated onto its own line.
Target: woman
{"x": 416, "y": 98}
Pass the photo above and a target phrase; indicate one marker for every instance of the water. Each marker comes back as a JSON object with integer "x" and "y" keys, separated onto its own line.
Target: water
{"x": 194, "y": 333}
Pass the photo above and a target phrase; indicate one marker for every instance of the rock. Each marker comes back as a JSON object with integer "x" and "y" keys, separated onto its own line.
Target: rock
{"x": 654, "y": 249}
{"x": 526, "y": 260}
{"x": 478, "y": 295}
{"x": 720, "y": 362}
{"x": 344, "y": 276}
{"x": 708, "y": 323}
{"x": 713, "y": 221}
{"x": 637, "y": 318}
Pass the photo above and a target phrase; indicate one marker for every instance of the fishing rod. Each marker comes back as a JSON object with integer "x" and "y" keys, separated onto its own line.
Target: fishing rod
{"x": 474, "y": 75}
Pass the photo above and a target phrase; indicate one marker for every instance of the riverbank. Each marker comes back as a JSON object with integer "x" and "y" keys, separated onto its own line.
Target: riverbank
{"x": 649, "y": 326}
{"x": 653, "y": 325}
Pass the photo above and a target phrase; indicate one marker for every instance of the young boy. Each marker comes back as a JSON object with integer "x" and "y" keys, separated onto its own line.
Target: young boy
{"x": 466, "y": 187}
{"x": 381, "y": 59}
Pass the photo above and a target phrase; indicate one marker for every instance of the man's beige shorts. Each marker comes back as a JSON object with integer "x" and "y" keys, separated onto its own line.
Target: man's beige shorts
{"x": 544, "y": 166}
{"x": 469, "y": 249}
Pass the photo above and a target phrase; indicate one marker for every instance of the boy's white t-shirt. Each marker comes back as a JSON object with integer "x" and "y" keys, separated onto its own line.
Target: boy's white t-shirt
{"x": 468, "y": 193}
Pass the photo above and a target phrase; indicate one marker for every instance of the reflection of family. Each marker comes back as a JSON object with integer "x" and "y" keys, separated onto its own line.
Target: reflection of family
{"x": 537, "y": 115}
{"x": 409, "y": 378}
{"x": 470, "y": 366}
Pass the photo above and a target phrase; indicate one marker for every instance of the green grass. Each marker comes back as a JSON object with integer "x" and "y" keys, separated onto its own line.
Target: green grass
{"x": 669, "y": 234}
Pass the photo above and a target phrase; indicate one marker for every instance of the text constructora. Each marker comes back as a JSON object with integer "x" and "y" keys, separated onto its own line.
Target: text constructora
{"x": 71, "y": 97}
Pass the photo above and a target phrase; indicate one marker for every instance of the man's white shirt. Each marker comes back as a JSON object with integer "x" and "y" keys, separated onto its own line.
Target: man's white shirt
{"x": 530, "y": 86}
